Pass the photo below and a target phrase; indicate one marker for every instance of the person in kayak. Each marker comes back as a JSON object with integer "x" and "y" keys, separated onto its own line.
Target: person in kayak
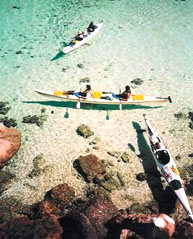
{"x": 79, "y": 36}
{"x": 125, "y": 95}
{"x": 91, "y": 27}
{"x": 87, "y": 92}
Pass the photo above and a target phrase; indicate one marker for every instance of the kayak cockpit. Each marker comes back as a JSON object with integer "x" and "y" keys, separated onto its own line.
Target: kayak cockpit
{"x": 163, "y": 156}
{"x": 175, "y": 184}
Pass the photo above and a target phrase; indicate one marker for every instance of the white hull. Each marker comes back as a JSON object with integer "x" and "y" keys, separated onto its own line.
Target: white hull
{"x": 88, "y": 37}
{"x": 168, "y": 168}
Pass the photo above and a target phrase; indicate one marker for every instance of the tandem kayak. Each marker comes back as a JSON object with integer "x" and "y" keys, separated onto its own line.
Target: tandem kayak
{"x": 98, "y": 97}
{"x": 87, "y": 37}
{"x": 167, "y": 166}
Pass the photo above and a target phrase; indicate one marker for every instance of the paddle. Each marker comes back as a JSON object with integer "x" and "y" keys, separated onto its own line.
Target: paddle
{"x": 107, "y": 116}
{"x": 165, "y": 98}
{"x": 120, "y": 105}
{"x": 133, "y": 150}
{"x": 66, "y": 114}
{"x": 78, "y": 104}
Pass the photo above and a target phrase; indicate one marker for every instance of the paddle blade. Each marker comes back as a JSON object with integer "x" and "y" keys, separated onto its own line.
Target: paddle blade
{"x": 131, "y": 147}
{"x": 169, "y": 99}
{"x": 66, "y": 114}
{"x": 107, "y": 116}
{"x": 78, "y": 105}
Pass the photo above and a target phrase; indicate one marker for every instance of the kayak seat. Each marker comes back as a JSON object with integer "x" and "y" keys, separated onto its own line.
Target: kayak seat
{"x": 58, "y": 93}
{"x": 138, "y": 97}
{"x": 96, "y": 94}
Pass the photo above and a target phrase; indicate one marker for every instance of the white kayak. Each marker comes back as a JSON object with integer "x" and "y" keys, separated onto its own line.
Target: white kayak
{"x": 167, "y": 166}
{"x": 98, "y": 97}
{"x": 87, "y": 37}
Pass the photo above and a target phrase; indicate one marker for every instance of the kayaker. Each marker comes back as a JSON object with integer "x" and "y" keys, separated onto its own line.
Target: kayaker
{"x": 91, "y": 27}
{"x": 126, "y": 93}
{"x": 79, "y": 36}
{"x": 87, "y": 92}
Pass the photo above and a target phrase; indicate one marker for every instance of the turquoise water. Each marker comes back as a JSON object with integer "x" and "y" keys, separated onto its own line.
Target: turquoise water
{"x": 148, "y": 39}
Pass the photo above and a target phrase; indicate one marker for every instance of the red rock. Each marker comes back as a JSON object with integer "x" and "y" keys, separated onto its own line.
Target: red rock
{"x": 90, "y": 220}
{"x": 91, "y": 166}
{"x": 45, "y": 209}
{"x": 62, "y": 195}
{"x": 10, "y": 141}
{"x": 184, "y": 230}
{"x": 165, "y": 223}
{"x": 46, "y": 227}
{"x": 144, "y": 226}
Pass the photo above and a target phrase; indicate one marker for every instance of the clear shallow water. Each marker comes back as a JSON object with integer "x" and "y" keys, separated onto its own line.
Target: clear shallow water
{"x": 147, "y": 39}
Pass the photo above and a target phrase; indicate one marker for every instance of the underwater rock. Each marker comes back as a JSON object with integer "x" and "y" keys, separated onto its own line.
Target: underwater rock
{"x": 10, "y": 141}
{"x": 190, "y": 115}
{"x": 180, "y": 115}
{"x": 16, "y": 7}
{"x": 22, "y": 227}
{"x": 8, "y": 122}
{"x": 111, "y": 184}
{"x": 40, "y": 167}
{"x": 62, "y": 196}
{"x": 191, "y": 125}
{"x": 141, "y": 177}
{"x": 84, "y": 80}
{"x": 43, "y": 209}
{"x": 115, "y": 154}
{"x": 93, "y": 170}
{"x": 96, "y": 140}
{"x": 189, "y": 171}
{"x": 183, "y": 230}
{"x": 90, "y": 166}
{"x": 136, "y": 208}
{"x": 80, "y": 66}
{"x": 19, "y": 52}
{"x": 5, "y": 180}
{"x": 90, "y": 220}
{"x": 84, "y": 130}
{"x": 3, "y": 108}
{"x": 146, "y": 226}
{"x": 34, "y": 119}
{"x": 137, "y": 81}
{"x": 125, "y": 157}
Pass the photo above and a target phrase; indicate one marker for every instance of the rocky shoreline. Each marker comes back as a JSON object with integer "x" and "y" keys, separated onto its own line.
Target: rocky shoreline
{"x": 61, "y": 215}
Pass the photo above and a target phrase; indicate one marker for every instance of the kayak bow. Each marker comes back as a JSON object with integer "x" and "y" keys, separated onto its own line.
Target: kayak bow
{"x": 167, "y": 166}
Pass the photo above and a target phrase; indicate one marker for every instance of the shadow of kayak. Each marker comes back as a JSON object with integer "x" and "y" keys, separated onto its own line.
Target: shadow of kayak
{"x": 58, "y": 56}
{"x": 90, "y": 106}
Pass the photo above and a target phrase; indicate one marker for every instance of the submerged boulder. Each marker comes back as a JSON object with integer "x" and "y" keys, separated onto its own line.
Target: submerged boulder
{"x": 90, "y": 220}
{"x": 146, "y": 226}
{"x": 4, "y": 108}
{"x": 8, "y": 122}
{"x": 90, "y": 166}
{"x": 5, "y": 180}
{"x": 10, "y": 141}
{"x": 40, "y": 167}
{"x": 62, "y": 195}
{"x": 84, "y": 130}
{"x": 184, "y": 230}
{"x": 137, "y": 81}
{"x": 34, "y": 119}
